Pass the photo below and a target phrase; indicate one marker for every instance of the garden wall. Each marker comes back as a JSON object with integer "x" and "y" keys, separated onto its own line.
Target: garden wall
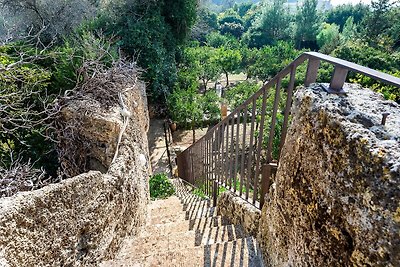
{"x": 336, "y": 197}
{"x": 83, "y": 220}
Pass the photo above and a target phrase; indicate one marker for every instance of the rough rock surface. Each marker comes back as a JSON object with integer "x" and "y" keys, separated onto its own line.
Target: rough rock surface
{"x": 83, "y": 220}
{"x": 239, "y": 212}
{"x": 336, "y": 197}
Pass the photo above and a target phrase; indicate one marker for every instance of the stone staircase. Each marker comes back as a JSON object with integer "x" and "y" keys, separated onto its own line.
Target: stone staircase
{"x": 184, "y": 230}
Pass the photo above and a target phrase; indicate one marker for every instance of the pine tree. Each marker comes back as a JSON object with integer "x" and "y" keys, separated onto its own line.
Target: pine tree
{"x": 307, "y": 24}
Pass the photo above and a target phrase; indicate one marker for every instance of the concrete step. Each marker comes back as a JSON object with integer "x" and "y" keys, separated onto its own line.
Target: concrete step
{"x": 241, "y": 252}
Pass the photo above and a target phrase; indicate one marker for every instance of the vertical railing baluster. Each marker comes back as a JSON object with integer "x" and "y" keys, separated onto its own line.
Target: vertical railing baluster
{"x": 212, "y": 178}
{"x": 219, "y": 158}
{"x": 273, "y": 120}
{"x": 208, "y": 165}
{"x": 287, "y": 107}
{"x": 231, "y": 163}
{"x": 236, "y": 150}
{"x": 243, "y": 150}
{"x": 250, "y": 157}
{"x": 203, "y": 157}
{"x": 312, "y": 71}
{"x": 259, "y": 145}
{"x": 222, "y": 153}
{"x": 226, "y": 167}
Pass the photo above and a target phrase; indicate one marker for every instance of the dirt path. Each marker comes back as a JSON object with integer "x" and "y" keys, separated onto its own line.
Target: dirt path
{"x": 182, "y": 139}
{"x": 157, "y": 147}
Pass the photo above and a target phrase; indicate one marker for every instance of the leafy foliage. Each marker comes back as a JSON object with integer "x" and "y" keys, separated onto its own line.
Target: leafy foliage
{"x": 153, "y": 30}
{"x": 228, "y": 60}
{"x": 341, "y": 13}
{"x": 328, "y": 38}
{"x": 160, "y": 186}
{"x": 271, "y": 25}
{"x": 307, "y": 24}
{"x": 241, "y": 92}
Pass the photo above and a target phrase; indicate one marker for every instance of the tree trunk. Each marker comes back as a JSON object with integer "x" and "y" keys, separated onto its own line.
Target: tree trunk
{"x": 205, "y": 82}
{"x": 227, "y": 78}
{"x": 194, "y": 134}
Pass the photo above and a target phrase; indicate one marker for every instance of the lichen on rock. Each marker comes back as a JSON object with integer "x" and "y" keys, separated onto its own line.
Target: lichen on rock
{"x": 239, "y": 212}
{"x": 336, "y": 197}
{"x": 83, "y": 220}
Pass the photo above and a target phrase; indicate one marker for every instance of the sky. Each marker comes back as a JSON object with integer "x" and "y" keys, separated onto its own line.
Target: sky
{"x": 340, "y": 2}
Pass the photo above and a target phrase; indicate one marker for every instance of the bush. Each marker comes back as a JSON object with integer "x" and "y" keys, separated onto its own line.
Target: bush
{"x": 161, "y": 186}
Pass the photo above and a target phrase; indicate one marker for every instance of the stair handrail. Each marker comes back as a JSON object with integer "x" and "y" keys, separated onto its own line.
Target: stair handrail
{"x": 339, "y": 76}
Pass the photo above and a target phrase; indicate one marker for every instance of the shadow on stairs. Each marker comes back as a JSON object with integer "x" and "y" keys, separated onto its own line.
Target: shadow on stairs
{"x": 184, "y": 230}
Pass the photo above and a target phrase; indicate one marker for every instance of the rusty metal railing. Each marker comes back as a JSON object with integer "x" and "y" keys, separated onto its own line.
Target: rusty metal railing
{"x": 241, "y": 153}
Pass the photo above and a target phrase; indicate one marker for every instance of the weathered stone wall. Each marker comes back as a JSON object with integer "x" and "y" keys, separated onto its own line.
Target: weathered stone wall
{"x": 83, "y": 220}
{"x": 336, "y": 197}
{"x": 239, "y": 212}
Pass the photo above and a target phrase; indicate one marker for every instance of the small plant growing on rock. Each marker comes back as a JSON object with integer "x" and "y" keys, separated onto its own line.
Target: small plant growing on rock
{"x": 161, "y": 186}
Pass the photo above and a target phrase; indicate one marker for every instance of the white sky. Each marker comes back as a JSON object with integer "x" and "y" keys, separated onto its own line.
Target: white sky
{"x": 339, "y": 2}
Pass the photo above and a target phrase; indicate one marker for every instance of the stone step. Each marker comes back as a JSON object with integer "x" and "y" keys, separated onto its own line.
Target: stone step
{"x": 193, "y": 204}
{"x": 148, "y": 244}
{"x": 167, "y": 208}
{"x": 190, "y": 198}
{"x": 197, "y": 212}
{"x": 185, "y": 225}
{"x": 241, "y": 252}
{"x": 173, "y": 200}
{"x": 159, "y": 242}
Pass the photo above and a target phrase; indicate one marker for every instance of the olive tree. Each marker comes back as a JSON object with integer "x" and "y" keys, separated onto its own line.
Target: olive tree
{"x": 45, "y": 18}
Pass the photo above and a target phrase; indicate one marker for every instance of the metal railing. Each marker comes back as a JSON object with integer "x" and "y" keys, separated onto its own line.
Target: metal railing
{"x": 241, "y": 153}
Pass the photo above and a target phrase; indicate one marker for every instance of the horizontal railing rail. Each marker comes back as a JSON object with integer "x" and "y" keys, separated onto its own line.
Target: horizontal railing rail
{"x": 241, "y": 153}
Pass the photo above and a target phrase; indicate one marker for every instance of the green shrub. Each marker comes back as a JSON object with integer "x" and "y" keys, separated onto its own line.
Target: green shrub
{"x": 161, "y": 186}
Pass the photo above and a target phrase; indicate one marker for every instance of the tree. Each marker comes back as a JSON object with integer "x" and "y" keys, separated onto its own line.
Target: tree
{"x": 349, "y": 29}
{"x": 271, "y": 25}
{"x": 216, "y": 40}
{"x": 377, "y": 22}
{"x": 361, "y": 53}
{"x": 152, "y": 31}
{"x": 272, "y": 59}
{"x": 341, "y": 13}
{"x": 47, "y": 19}
{"x": 231, "y": 23}
{"x": 229, "y": 60}
{"x": 394, "y": 31}
{"x": 185, "y": 108}
{"x": 328, "y": 38}
{"x": 307, "y": 24}
{"x": 202, "y": 61}
{"x": 206, "y": 23}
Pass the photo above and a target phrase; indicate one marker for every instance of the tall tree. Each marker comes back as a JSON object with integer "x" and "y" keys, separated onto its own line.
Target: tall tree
{"x": 229, "y": 60}
{"x": 271, "y": 25}
{"x": 341, "y": 13}
{"x": 307, "y": 24}
{"x": 349, "y": 29}
{"x": 377, "y": 23}
{"x": 153, "y": 31}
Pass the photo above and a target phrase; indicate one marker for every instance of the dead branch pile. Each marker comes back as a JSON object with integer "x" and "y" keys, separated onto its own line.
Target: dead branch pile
{"x": 102, "y": 87}
{"x": 20, "y": 176}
